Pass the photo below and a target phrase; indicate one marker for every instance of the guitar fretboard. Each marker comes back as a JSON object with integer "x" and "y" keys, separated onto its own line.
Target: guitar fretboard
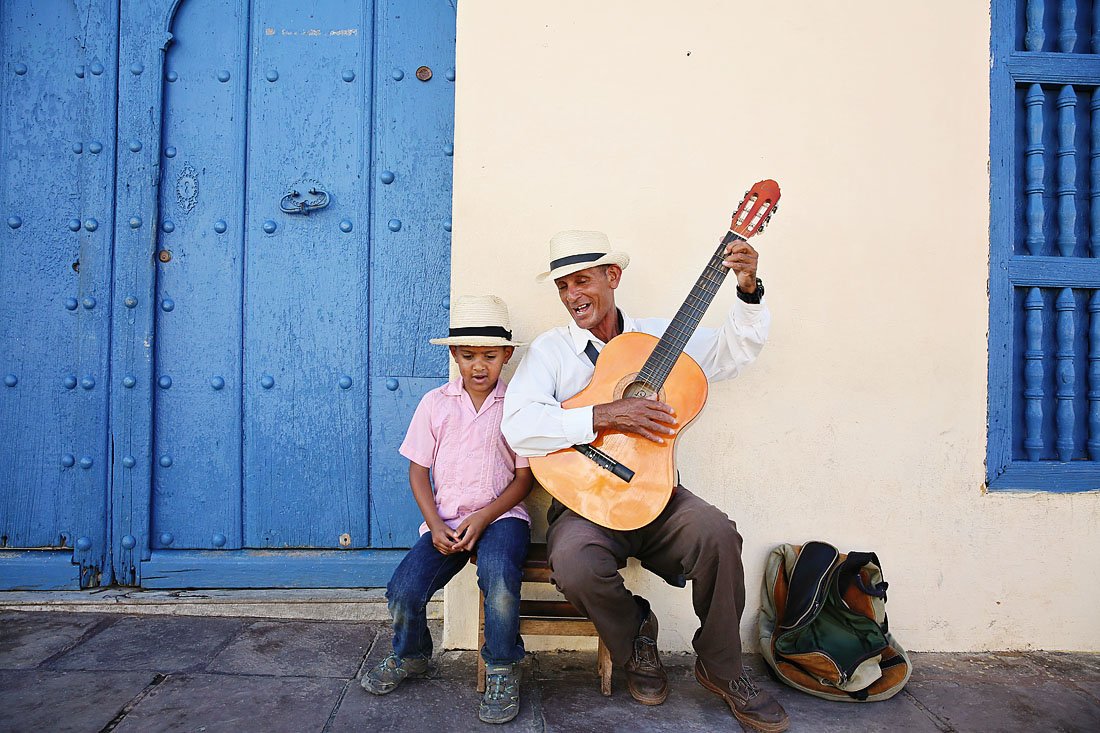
{"x": 672, "y": 343}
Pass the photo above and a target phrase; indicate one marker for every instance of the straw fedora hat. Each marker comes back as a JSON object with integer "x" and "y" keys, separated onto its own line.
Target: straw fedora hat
{"x": 574, "y": 250}
{"x": 479, "y": 320}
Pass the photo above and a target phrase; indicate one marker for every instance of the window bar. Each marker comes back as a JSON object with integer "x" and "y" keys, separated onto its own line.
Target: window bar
{"x": 1035, "y": 169}
{"x": 1094, "y": 169}
{"x": 1096, "y": 26}
{"x": 1094, "y": 376}
{"x": 1033, "y": 375}
{"x": 1067, "y": 35}
{"x": 1094, "y": 245}
{"x": 1034, "y": 38}
{"x": 1065, "y": 415}
{"x": 1067, "y": 171}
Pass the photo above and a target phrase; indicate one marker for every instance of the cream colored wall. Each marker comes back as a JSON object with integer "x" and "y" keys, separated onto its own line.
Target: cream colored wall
{"x": 863, "y": 422}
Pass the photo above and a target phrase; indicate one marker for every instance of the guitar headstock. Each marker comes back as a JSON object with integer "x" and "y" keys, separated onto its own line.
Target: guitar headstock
{"x": 756, "y": 209}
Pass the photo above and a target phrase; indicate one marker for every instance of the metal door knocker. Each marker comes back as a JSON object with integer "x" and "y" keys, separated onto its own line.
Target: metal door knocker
{"x": 297, "y": 202}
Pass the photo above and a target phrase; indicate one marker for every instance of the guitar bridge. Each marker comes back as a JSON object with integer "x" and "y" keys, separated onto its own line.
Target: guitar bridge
{"x": 604, "y": 461}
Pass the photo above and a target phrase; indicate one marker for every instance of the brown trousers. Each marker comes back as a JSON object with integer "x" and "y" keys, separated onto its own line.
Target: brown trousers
{"x": 690, "y": 539}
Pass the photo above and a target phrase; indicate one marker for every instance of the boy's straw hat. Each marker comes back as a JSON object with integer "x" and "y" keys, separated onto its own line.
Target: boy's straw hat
{"x": 574, "y": 250}
{"x": 479, "y": 320}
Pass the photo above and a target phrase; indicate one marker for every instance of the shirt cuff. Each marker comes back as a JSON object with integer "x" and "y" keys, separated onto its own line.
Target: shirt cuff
{"x": 577, "y": 424}
{"x": 748, "y": 312}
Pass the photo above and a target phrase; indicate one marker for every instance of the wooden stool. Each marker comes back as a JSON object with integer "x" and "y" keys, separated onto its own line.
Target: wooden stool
{"x": 545, "y": 618}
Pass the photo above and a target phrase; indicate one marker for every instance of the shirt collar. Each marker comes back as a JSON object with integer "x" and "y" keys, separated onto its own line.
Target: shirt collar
{"x": 453, "y": 388}
{"x": 580, "y": 338}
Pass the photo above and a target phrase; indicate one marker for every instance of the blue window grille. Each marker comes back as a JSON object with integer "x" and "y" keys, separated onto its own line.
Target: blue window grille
{"x": 1044, "y": 329}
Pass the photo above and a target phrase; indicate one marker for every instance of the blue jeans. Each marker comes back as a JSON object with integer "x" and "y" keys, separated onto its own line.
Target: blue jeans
{"x": 501, "y": 552}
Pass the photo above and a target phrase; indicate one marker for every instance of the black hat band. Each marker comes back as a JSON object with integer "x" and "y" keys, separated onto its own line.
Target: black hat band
{"x": 574, "y": 259}
{"x": 495, "y": 331}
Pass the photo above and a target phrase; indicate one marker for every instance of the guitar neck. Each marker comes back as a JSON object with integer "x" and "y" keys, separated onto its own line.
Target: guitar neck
{"x": 672, "y": 343}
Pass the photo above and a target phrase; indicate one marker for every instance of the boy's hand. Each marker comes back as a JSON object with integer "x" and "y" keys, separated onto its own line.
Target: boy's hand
{"x": 444, "y": 539}
{"x": 470, "y": 531}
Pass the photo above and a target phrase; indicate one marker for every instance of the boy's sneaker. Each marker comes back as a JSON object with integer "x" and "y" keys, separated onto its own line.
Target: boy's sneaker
{"x": 501, "y": 700}
{"x": 392, "y": 671}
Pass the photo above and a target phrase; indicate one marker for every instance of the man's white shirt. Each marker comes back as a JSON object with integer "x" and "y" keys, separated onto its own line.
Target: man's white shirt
{"x": 556, "y": 368}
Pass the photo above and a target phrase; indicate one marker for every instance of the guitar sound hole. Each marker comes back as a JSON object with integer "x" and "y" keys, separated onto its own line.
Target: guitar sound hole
{"x": 640, "y": 390}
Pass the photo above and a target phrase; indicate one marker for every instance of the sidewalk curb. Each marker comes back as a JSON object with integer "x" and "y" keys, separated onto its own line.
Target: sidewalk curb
{"x": 322, "y": 604}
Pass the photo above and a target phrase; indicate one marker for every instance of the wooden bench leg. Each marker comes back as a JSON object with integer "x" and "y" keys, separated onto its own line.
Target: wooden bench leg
{"x": 480, "y": 642}
{"x": 545, "y": 618}
{"x": 603, "y": 665}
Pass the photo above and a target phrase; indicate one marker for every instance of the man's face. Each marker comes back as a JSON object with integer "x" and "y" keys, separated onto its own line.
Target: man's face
{"x": 589, "y": 295}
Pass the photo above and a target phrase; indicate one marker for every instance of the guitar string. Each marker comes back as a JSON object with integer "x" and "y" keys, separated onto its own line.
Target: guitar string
{"x": 679, "y": 332}
{"x": 666, "y": 353}
{"x": 695, "y": 305}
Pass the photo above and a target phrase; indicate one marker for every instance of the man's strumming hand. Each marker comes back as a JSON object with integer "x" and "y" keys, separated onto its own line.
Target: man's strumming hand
{"x": 650, "y": 419}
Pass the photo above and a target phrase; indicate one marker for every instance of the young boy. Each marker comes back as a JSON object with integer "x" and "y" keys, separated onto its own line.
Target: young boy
{"x": 454, "y": 444}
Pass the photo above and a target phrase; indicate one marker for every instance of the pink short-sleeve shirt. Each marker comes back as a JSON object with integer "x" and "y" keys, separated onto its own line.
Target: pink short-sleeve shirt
{"x": 471, "y": 462}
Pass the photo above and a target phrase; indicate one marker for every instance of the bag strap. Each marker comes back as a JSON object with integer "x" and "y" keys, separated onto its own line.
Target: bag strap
{"x": 848, "y": 573}
{"x": 808, "y": 585}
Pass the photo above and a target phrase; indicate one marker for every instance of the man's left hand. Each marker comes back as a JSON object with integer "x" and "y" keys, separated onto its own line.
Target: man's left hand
{"x": 741, "y": 258}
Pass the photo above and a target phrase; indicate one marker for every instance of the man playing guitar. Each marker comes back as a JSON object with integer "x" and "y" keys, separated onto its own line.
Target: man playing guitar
{"x": 690, "y": 538}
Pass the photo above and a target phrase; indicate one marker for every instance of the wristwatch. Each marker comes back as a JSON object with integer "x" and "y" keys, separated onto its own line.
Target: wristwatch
{"x": 755, "y": 296}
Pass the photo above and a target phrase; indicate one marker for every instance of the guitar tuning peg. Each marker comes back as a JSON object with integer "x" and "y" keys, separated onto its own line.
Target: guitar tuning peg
{"x": 775, "y": 208}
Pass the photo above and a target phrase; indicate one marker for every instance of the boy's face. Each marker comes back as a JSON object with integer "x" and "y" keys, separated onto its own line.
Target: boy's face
{"x": 480, "y": 366}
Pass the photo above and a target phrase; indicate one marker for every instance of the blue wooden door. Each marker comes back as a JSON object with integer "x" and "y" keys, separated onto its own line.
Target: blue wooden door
{"x": 58, "y": 62}
{"x": 301, "y": 266}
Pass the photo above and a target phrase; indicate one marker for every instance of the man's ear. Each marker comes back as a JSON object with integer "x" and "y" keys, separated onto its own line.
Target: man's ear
{"x": 508, "y": 351}
{"x": 614, "y": 273}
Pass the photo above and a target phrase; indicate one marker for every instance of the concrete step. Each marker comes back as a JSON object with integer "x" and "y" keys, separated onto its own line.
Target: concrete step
{"x": 327, "y": 604}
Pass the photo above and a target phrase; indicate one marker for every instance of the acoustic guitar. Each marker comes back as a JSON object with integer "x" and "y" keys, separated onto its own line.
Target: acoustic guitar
{"x": 622, "y": 480}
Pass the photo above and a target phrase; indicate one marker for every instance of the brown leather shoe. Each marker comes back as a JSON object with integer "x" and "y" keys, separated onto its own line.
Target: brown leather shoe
{"x": 645, "y": 676}
{"x": 751, "y": 706}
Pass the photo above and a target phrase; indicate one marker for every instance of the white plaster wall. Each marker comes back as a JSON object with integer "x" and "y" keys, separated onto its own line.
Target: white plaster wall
{"x": 863, "y": 422}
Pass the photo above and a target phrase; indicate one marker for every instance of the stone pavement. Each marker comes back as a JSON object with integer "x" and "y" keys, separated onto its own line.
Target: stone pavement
{"x": 94, "y": 672}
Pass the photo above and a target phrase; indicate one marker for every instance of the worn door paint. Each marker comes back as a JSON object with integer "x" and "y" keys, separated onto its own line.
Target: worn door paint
{"x": 306, "y": 283}
{"x": 244, "y": 369}
{"x": 58, "y": 70}
{"x": 270, "y": 407}
{"x": 261, "y": 416}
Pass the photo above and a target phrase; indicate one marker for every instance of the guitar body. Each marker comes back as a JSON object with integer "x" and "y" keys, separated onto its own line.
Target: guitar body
{"x": 596, "y": 493}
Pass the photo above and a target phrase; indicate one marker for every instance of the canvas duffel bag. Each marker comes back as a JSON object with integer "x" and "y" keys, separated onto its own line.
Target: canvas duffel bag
{"x": 823, "y": 626}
